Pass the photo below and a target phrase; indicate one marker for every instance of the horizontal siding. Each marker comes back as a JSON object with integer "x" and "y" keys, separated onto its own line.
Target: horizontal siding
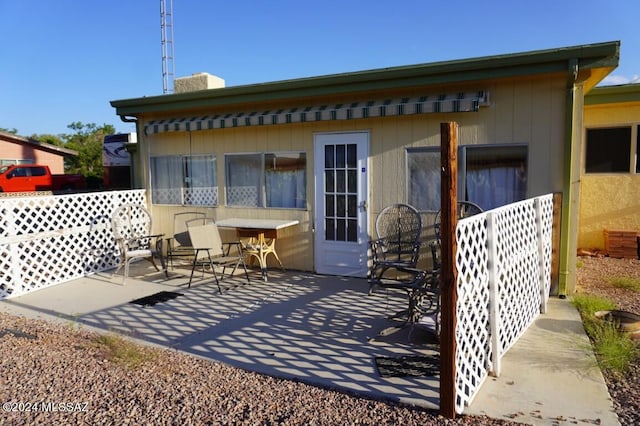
{"x": 527, "y": 111}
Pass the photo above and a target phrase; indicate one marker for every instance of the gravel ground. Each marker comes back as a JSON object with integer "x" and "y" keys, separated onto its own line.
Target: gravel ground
{"x": 594, "y": 275}
{"x": 74, "y": 370}
{"x": 82, "y": 381}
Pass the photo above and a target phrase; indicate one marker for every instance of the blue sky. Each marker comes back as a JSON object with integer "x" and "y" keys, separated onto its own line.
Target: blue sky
{"x": 62, "y": 61}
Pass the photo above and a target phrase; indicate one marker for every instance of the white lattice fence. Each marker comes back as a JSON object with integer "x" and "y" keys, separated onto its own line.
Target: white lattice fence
{"x": 504, "y": 276}
{"x": 473, "y": 345}
{"x": 52, "y": 239}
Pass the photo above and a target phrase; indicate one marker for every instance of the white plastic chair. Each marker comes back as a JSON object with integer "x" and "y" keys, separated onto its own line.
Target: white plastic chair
{"x": 131, "y": 225}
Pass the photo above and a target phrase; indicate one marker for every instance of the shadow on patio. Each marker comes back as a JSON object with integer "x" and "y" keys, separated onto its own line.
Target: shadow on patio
{"x": 321, "y": 330}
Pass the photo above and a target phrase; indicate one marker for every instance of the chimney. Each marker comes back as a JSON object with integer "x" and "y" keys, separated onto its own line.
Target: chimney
{"x": 197, "y": 81}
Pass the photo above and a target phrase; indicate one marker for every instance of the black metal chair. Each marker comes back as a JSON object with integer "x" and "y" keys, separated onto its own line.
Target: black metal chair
{"x": 179, "y": 245}
{"x": 397, "y": 248}
{"x": 463, "y": 209}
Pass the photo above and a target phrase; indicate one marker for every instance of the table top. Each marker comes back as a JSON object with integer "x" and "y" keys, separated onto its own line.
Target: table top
{"x": 248, "y": 223}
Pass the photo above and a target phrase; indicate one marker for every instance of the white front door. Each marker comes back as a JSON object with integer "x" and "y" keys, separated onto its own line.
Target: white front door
{"x": 341, "y": 199}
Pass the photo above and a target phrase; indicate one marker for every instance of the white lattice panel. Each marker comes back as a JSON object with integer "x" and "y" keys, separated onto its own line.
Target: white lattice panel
{"x": 201, "y": 196}
{"x": 473, "y": 347}
{"x": 166, "y": 196}
{"x": 545, "y": 216}
{"x": 504, "y": 269}
{"x": 518, "y": 271}
{"x": 51, "y": 239}
{"x": 242, "y": 196}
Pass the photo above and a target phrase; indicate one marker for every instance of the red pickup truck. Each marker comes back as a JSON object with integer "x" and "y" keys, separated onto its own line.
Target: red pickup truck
{"x": 36, "y": 177}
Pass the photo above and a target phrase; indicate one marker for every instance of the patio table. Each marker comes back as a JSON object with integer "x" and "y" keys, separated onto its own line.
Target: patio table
{"x": 262, "y": 234}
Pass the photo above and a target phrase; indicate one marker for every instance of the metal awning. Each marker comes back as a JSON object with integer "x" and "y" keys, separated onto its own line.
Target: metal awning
{"x": 443, "y": 103}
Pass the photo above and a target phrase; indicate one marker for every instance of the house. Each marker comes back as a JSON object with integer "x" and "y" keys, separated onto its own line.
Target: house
{"x": 331, "y": 151}
{"x": 610, "y": 173}
{"x": 16, "y": 149}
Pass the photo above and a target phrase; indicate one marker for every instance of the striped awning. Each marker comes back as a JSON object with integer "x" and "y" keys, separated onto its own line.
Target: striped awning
{"x": 452, "y": 102}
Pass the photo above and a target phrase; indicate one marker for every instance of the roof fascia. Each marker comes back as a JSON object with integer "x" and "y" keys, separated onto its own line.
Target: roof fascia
{"x": 613, "y": 94}
{"x": 475, "y": 69}
{"x": 37, "y": 144}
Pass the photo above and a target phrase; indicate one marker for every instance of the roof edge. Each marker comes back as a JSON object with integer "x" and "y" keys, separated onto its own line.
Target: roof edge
{"x": 533, "y": 62}
{"x": 41, "y": 145}
{"x": 613, "y": 94}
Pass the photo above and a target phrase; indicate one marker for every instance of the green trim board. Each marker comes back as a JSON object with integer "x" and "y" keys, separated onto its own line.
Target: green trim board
{"x": 601, "y": 55}
{"x": 613, "y": 94}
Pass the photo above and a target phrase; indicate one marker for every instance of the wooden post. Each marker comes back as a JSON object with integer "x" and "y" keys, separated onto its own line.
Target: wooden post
{"x": 448, "y": 272}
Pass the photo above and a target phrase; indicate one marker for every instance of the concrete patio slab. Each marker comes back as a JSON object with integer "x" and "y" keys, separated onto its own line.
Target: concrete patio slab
{"x": 325, "y": 331}
{"x": 321, "y": 330}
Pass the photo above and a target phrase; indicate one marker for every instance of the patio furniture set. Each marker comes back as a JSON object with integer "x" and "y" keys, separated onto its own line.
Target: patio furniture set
{"x": 395, "y": 252}
{"x": 196, "y": 238}
{"x": 395, "y": 256}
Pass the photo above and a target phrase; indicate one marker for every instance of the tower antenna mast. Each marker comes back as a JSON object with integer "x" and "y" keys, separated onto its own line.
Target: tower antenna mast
{"x": 166, "y": 40}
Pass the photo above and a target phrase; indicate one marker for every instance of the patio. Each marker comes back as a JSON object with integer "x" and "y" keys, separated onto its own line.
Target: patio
{"x": 321, "y": 330}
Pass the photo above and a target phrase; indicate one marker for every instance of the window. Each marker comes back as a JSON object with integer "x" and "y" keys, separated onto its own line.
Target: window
{"x": 23, "y": 161}
{"x": 609, "y": 150}
{"x": 184, "y": 180}
{"x": 493, "y": 176}
{"x": 267, "y": 180}
{"x": 489, "y": 175}
{"x": 423, "y": 165}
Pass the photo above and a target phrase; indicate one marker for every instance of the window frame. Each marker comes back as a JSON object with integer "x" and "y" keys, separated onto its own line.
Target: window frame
{"x": 634, "y": 148}
{"x": 185, "y": 188}
{"x": 262, "y": 190}
{"x": 462, "y": 166}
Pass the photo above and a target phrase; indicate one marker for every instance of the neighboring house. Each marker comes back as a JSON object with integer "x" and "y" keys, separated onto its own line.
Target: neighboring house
{"x": 20, "y": 150}
{"x": 610, "y": 176}
{"x": 332, "y": 151}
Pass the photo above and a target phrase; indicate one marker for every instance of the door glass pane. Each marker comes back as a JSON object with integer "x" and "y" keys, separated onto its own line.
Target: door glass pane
{"x": 329, "y": 162}
{"x": 352, "y": 230}
{"x": 340, "y": 157}
{"x": 341, "y": 192}
{"x": 352, "y": 181}
{"x": 352, "y": 205}
{"x": 329, "y": 179}
{"x": 330, "y": 232}
{"x": 329, "y": 205}
{"x": 341, "y": 184}
{"x": 341, "y": 208}
{"x": 341, "y": 231}
{"x": 351, "y": 156}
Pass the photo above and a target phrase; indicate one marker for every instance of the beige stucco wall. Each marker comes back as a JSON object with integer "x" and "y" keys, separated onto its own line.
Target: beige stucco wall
{"x": 529, "y": 111}
{"x": 609, "y": 201}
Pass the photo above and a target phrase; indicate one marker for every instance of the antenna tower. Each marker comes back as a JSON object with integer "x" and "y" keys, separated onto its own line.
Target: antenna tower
{"x": 166, "y": 40}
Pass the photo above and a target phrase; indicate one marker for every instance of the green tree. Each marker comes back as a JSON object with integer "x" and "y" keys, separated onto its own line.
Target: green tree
{"x": 87, "y": 140}
{"x": 50, "y": 139}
